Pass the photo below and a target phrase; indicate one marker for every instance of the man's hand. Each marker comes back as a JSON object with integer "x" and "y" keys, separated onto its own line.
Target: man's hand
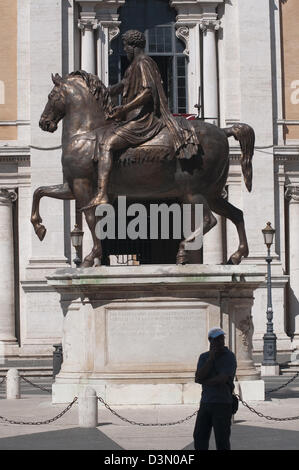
{"x": 117, "y": 113}
{"x": 212, "y": 354}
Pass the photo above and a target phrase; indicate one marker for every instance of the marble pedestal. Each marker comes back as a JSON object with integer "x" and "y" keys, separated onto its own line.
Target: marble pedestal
{"x": 134, "y": 333}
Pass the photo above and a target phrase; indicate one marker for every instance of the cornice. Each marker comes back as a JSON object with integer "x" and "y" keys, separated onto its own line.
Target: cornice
{"x": 14, "y": 154}
{"x": 192, "y": 3}
{"x": 100, "y": 2}
{"x": 286, "y": 153}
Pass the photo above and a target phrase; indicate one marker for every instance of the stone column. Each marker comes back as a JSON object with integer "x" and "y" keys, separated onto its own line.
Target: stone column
{"x": 292, "y": 193}
{"x": 212, "y": 244}
{"x": 107, "y": 31}
{"x": 280, "y": 214}
{"x": 88, "y": 24}
{"x": 192, "y": 16}
{"x": 234, "y": 198}
{"x": 7, "y": 302}
{"x": 187, "y": 30}
{"x": 210, "y": 79}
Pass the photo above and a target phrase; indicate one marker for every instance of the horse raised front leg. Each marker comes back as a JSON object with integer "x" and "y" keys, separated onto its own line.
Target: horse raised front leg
{"x": 208, "y": 222}
{"x": 225, "y": 209}
{"x": 59, "y": 191}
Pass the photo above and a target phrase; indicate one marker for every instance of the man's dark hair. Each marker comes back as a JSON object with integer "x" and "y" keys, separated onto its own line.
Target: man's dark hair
{"x": 134, "y": 38}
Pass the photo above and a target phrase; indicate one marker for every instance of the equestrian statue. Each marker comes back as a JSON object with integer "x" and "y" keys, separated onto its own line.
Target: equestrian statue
{"x": 139, "y": 149}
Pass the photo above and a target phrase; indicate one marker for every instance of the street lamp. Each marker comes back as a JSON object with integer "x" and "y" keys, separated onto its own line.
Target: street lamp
{"x": 269, "y": 358}
{"x": 77, "y": 237}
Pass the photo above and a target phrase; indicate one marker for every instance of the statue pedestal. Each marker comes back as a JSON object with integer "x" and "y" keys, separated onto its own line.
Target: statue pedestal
{"x": 135, "y": 333}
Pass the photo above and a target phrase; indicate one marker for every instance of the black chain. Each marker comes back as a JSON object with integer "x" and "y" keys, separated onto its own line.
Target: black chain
{"x": 44, "y": 389}
{"x": 261, "y": 415}
{"x": 284, "y": 385}
{"x": 144, "y": 424}
{"x": 47, "y": 421}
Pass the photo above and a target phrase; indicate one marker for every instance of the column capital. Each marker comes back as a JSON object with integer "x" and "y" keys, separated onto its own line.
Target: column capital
{"x": 292, "y": 193}
{"x": 7, "y": 196}
{"x": 88, "y": 24}
{"x": 113, "y": 31}
{"x": 209, "y": 24}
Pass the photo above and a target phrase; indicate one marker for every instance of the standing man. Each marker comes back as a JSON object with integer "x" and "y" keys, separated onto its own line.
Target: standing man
{"x": 215, "y": 372}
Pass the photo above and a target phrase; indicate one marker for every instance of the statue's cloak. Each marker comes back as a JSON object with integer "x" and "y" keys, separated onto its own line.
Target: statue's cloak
{"x": 145, "y": 122}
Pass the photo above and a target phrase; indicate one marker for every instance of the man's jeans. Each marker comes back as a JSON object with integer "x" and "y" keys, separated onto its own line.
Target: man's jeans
{"x": 217, "y": 416}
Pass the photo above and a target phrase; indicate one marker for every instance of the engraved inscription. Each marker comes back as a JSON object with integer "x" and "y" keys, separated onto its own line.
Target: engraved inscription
{"x": 156, "y": 336}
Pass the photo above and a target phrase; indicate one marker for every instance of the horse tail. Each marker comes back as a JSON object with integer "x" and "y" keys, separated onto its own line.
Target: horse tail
{"x": 244, "y": 134}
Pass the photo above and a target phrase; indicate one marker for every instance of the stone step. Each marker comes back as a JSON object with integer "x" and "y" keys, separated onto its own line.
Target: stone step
{"x": 39, "y": 371}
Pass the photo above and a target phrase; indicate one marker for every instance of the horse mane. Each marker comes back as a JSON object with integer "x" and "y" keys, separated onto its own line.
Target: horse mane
{"x": 96, "y": 88}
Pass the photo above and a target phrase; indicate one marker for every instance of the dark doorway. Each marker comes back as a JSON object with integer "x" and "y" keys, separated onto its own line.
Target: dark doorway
{"x": 156, "y": 19}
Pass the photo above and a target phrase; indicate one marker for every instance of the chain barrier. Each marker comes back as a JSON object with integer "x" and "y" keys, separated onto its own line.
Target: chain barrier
{"x": 44, "y": 389}
{"x": 283, "y": 385}
{"x": 261, "y": 415}
{"x": 144, "y": 424}
{"x": 47, "y": 421}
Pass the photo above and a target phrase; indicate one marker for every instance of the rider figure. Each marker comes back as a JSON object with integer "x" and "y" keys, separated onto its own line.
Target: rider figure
{"x": 142, "y": 114}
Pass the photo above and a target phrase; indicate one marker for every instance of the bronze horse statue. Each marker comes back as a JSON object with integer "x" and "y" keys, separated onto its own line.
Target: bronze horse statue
{"x": 82, "y": 101}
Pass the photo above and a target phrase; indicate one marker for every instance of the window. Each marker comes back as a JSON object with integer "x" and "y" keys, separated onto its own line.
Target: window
{"x": 161, "y": 44}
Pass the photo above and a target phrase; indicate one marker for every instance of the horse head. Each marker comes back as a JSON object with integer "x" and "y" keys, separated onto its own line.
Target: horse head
{"x": 83, "y": 92}
{"x": 55, "y": 108}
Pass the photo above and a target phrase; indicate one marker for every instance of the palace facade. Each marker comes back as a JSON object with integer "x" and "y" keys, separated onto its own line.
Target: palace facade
{"x": 227, "y": 61}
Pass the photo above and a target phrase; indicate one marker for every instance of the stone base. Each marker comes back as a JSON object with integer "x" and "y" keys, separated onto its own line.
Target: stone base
{"x": 8, "y": 349}
{"x": 268, "y": 371}
{"x": 131, "y": 394}
{"x": 251, "y": 390}
{"x": 134, "y": 334}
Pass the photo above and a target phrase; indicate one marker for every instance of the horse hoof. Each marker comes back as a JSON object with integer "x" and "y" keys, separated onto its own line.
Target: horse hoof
{"x": 41, "y": 232}
{"x": 234, "y": 260}
{"x": 87, "y": 264}
{"x": 182, "y": 258}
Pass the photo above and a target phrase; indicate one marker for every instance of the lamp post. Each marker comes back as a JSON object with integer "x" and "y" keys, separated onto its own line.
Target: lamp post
{"x": 269, "y": 364}
{"x": 77, "y": 237}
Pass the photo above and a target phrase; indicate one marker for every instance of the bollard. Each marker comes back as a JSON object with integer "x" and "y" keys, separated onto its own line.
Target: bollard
{"x": 12, "y": 384}
{"x": 88, "y": 408}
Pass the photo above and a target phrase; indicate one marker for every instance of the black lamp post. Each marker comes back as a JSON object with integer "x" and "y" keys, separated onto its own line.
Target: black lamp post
{"x": 77, "y": 237}
{"x": 269, "y": 337}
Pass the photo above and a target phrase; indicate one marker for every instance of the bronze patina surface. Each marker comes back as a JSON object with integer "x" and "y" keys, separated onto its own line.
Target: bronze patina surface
{"x": 170, "y": 158}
